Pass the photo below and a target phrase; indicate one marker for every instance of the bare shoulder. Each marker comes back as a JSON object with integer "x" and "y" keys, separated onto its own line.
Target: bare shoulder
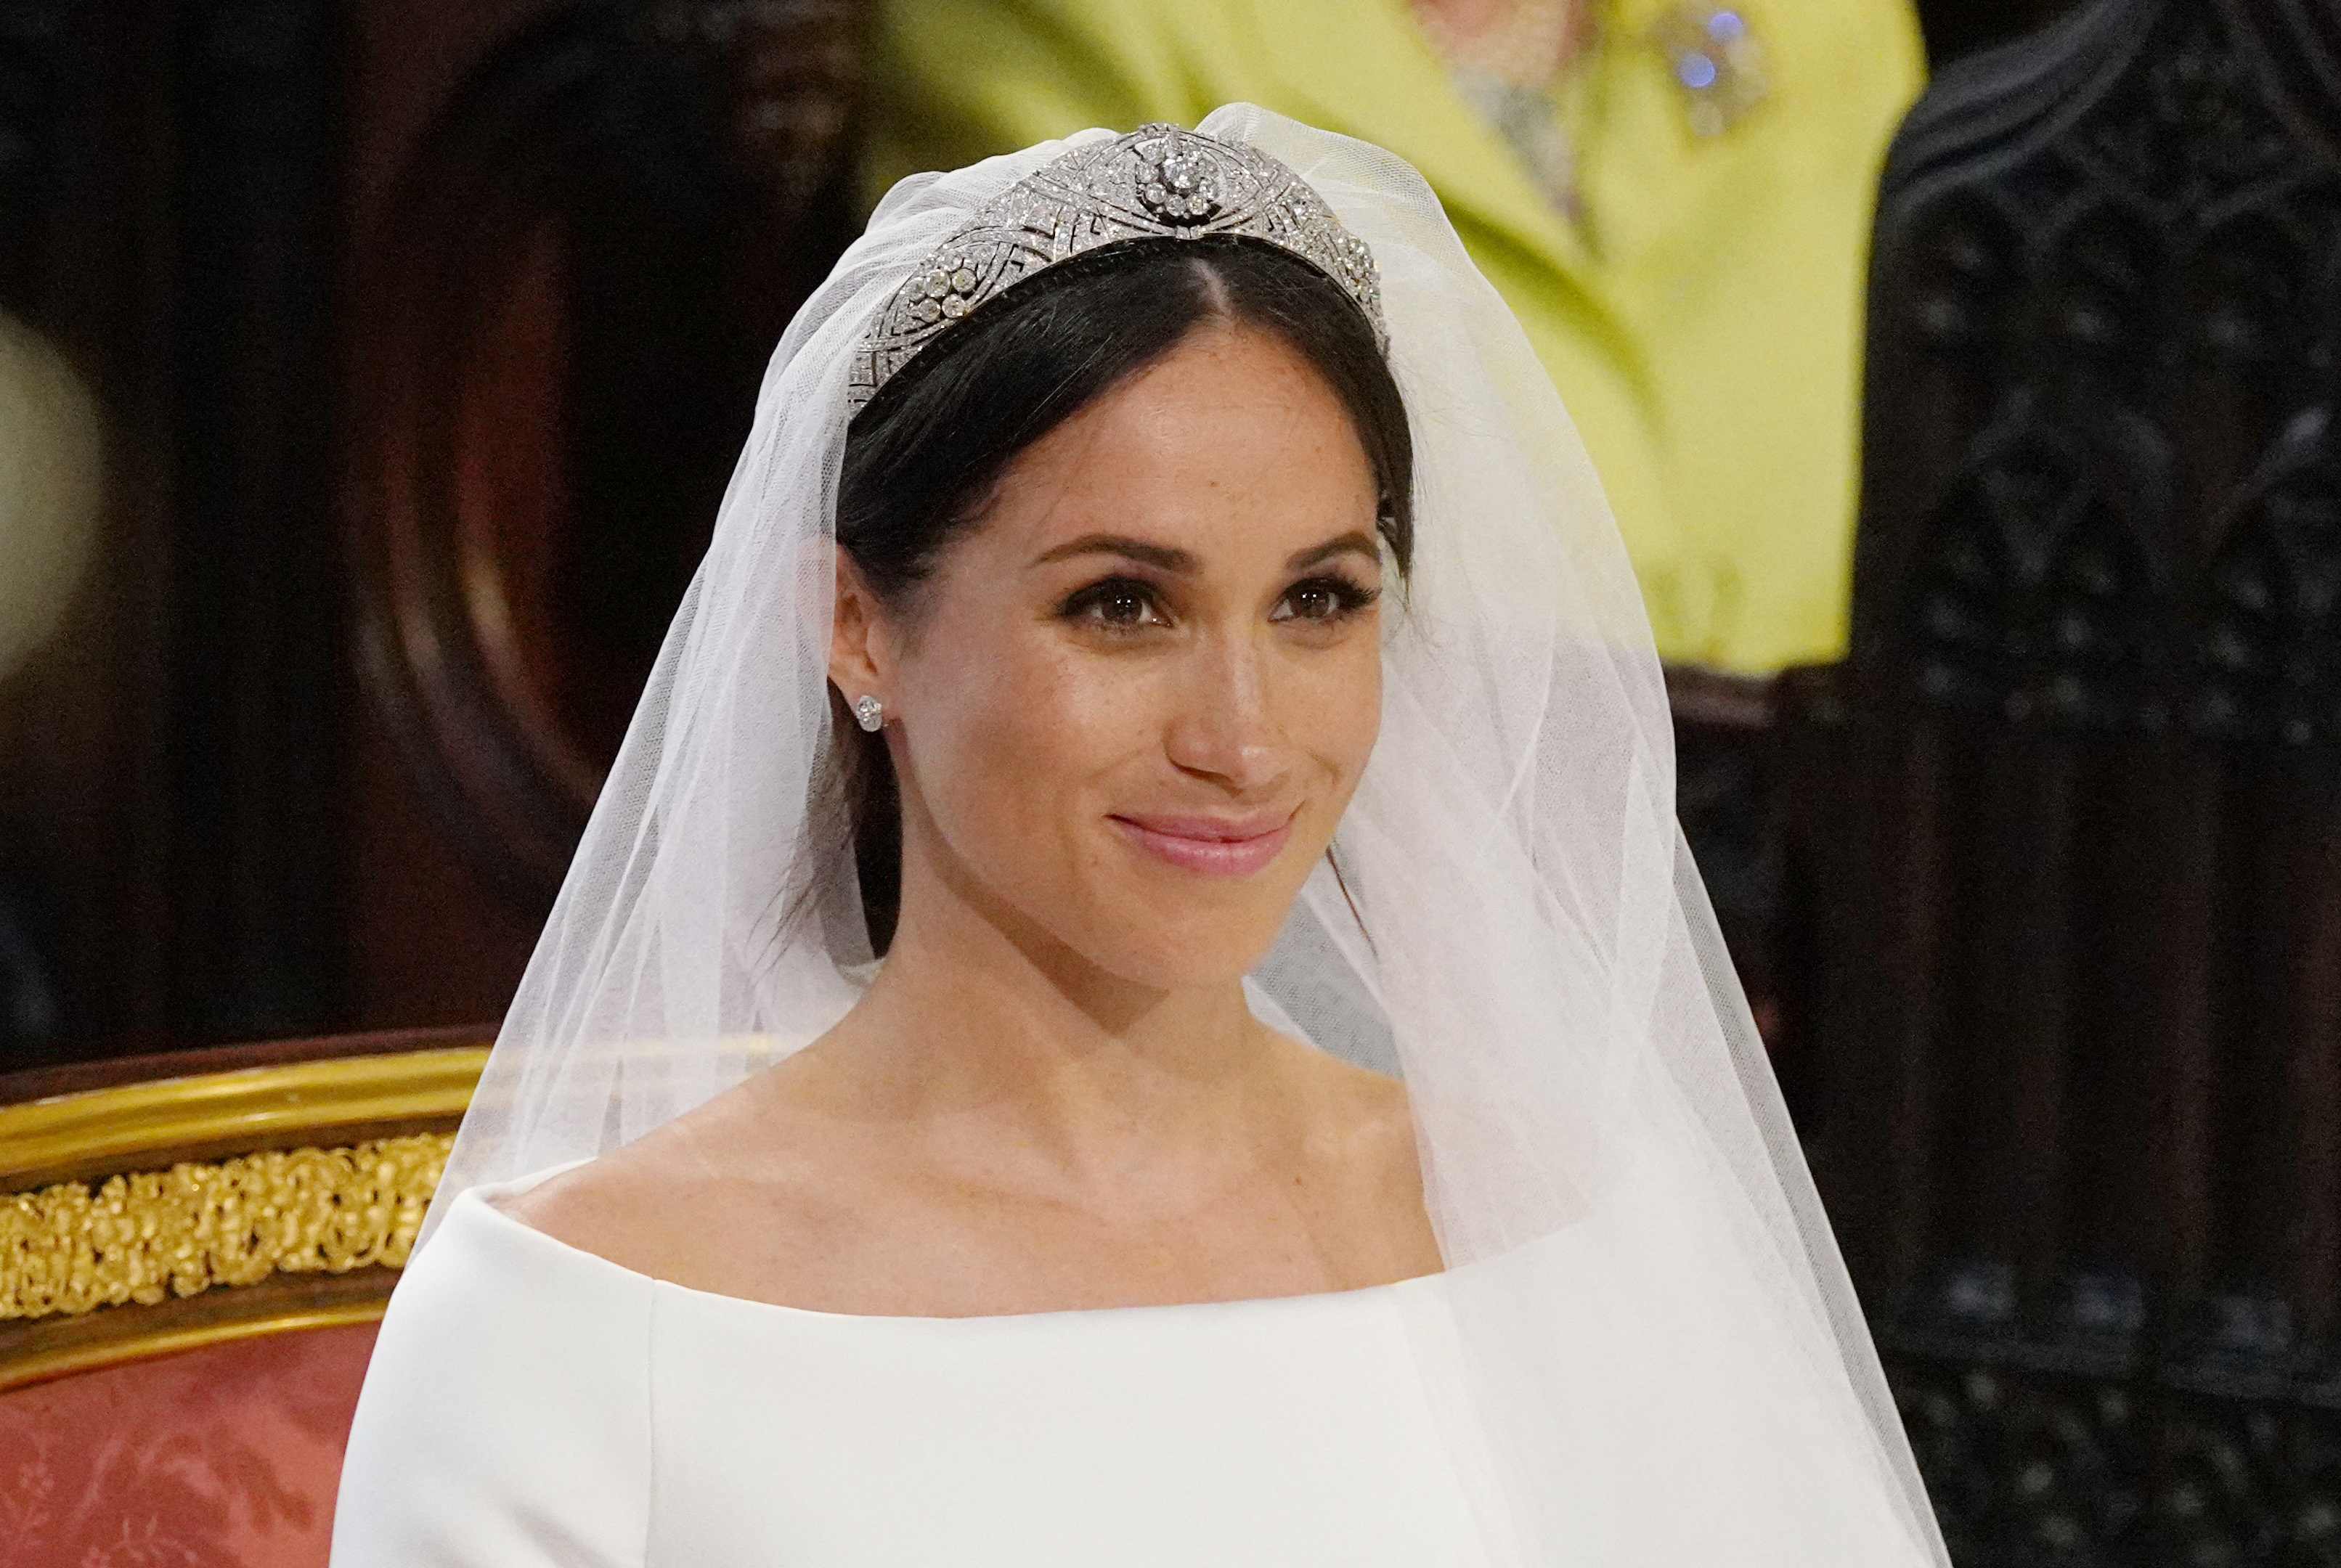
{"x": 624, "y": 1206}
{"x": 685, "y": 1202}
{"x": 587, "y": 1207}
{"x": 1360, "y": 1118}
{"x": 1361, "y": 1160}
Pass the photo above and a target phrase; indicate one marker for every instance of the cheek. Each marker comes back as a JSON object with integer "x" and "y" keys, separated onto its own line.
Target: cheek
{"x": 1009, "y": 735}
{"x": 1339, "y": 711}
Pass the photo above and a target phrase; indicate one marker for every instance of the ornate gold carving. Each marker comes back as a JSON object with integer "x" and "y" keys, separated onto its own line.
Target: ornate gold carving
{"x": 204, "y": 1116}
{"x": 136, "y": 1238}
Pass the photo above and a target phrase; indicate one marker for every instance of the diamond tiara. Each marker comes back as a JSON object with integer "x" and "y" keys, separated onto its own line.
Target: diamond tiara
{"x": 1157, "y": 183}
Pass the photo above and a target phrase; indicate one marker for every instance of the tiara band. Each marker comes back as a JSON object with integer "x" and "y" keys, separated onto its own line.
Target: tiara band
{"x": 1158, "y": 182}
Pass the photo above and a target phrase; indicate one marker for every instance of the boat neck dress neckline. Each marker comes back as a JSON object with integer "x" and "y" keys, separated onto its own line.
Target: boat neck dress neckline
{"x": 482, "y": 1202}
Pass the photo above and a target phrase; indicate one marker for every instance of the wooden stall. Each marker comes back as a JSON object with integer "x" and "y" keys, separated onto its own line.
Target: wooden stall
{"x": 2068, "y": 821}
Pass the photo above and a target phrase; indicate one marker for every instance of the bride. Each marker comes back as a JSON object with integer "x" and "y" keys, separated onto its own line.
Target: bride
{"x": 1133, "y": 997}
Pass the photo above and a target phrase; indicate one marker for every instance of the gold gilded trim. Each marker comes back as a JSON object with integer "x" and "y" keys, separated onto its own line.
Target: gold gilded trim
{"x": 139, "y": 1238}
{"x": 20, "y": 1368}
{"x": 99, "y": 1132}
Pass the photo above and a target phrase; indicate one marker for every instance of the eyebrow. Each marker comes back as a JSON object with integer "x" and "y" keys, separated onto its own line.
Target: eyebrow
{"x": 1185, "y": 563}
{"x": 1162, "y": 555}
{"x": 1351, "y": 543}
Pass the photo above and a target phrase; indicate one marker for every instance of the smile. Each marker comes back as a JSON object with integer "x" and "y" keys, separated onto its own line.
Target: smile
{"x": 1212, "y": 846}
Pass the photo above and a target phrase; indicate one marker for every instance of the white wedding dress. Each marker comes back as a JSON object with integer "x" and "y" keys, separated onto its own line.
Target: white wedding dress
{"x": 533, "y": 1405}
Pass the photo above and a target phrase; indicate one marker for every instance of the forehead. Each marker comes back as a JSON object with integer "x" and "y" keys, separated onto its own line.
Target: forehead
{"x": 1232, "y": 439}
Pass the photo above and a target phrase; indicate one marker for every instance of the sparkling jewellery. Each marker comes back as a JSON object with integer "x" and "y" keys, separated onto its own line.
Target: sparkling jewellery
{"x": 1717, "y": 62}
{"x": 1157, "y": 183}
{"x": 870, "y": 713}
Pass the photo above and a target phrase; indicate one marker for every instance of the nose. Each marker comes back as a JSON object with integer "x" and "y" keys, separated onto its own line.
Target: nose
{"x": 1224, "y": 729}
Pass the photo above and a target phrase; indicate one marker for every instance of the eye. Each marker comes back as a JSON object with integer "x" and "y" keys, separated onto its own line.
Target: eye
{"x": 1116, "y": 604}
{"x": 1320, "y": 600}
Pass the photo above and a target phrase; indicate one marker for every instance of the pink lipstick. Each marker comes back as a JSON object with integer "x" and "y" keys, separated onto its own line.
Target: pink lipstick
{"x": 1213, "y": 845}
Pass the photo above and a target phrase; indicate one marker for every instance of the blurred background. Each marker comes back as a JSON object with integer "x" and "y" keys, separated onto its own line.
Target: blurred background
{"x": 371, "y": 374}
{"x": 1963, "y": 380}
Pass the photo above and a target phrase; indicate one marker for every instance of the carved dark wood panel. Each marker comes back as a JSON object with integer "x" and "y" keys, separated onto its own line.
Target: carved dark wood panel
{"x": 2071, "y": 811}
{"x": 568, "y": 308}
{"x": 2026, "y": 1466}
{"x": 166, "y": 762}
{"x": 251, "y": 756}
{"x": 1729, "y": 787}
{"x": 423, "y": 327}
{"x": 1956, "y": 28}
{"x": 36, "y": 71}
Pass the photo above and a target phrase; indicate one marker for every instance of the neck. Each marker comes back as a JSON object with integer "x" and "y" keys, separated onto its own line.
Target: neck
{"x": 982, "y": 1023}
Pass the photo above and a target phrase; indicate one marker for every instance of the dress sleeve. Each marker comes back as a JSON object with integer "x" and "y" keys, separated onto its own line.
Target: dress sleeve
{"x": 505, "y": 1418}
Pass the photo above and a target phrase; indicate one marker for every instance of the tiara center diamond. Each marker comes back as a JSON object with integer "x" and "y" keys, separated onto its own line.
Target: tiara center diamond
{"x": 1184, "y": 186}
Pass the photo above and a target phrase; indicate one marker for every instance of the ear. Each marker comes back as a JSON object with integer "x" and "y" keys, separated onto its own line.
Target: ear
{"x": 860, "y": 653}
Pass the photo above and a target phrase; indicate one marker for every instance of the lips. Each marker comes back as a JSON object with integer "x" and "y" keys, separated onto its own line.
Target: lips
{"x": 1211, "y": 846}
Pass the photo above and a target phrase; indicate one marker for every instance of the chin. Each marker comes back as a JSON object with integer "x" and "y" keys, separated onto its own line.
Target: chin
{"x": 1149, "y": 938}
{"x": 1161, "y": 970}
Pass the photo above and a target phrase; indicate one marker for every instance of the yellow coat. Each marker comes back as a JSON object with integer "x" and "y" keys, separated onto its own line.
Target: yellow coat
{"x": 1701, "y": 317}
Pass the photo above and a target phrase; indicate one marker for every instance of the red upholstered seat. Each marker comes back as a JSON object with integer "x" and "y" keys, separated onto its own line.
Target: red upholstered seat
{"x": 225, "y": 1457}
{"x": 195, "y": 1251}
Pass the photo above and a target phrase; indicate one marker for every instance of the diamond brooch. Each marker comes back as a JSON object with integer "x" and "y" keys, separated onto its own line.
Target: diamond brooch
{"x": 1716, "y": 60}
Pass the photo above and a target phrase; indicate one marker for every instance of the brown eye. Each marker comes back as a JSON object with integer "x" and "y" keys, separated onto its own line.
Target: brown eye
{"x": 1323, "y": 598}
{"x": 1116, "y": 604}
{"x": 1122, "y": 607}
{"x": 1314, "y": 601}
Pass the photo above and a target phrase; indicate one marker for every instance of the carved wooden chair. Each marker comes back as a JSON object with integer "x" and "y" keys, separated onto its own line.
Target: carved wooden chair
{"x": 2070, "y": 815}
{"x": 195, "y": 1250}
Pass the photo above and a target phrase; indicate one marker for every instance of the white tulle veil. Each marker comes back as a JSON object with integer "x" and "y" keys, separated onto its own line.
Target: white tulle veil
{"x": 1655, "y": 1356}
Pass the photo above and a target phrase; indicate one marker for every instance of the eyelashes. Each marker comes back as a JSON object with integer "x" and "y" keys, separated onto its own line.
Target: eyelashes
{"x": 1123, "y": 605}
{"x": 1324, "y": 599}
{"x": 1115, "y": 604}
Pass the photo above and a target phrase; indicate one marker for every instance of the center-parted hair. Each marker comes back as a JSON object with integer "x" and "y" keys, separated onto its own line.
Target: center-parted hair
{"x": 923, "y": 459}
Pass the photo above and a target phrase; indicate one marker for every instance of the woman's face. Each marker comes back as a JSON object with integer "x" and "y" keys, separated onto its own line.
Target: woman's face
{"x": 1134, "y": 700}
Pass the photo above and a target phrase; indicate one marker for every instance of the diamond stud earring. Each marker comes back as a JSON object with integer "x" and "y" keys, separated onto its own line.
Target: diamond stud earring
{"x": 870, "y": 713}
